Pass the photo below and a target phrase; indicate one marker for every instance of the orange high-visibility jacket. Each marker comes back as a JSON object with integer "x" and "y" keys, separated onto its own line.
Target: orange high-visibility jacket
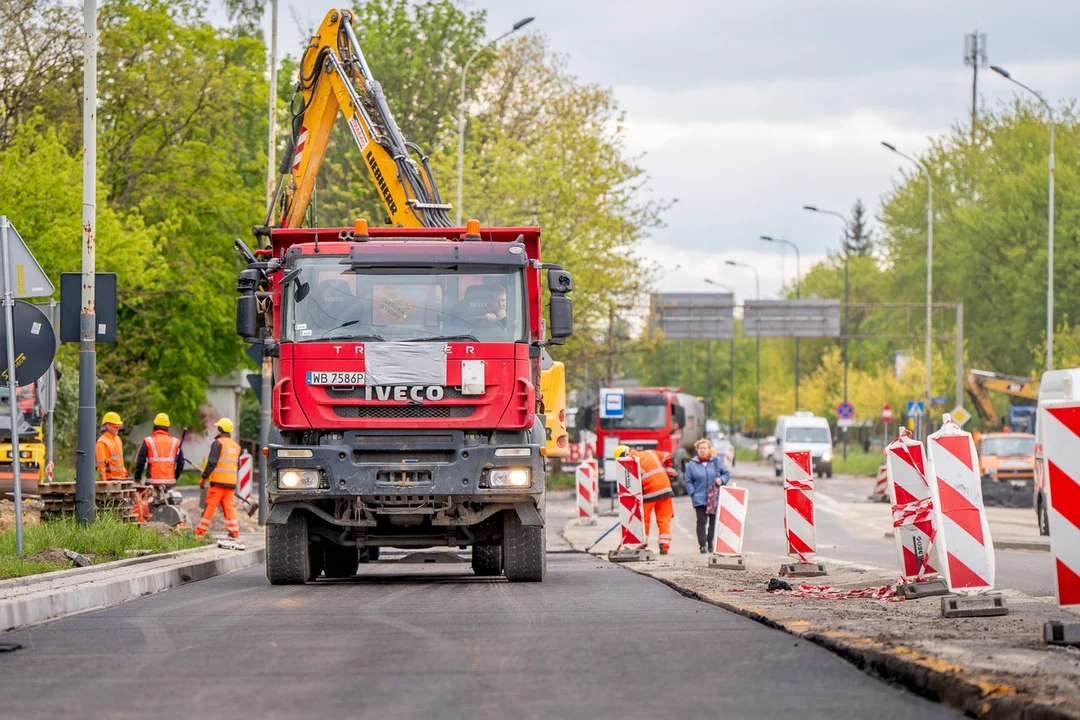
{"x": 656, "y": 473}
{"x": 225, "y": 465}
{"x": 109, "y": 453}
{"x": 161, "y": 451}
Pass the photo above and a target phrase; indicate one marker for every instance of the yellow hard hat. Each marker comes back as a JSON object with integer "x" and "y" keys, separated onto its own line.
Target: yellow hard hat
{"x": 112, "y": 418}
{"x": 225, "y": 425}
{"x": 162, "y": 420}
{"x": 620, "y": 451}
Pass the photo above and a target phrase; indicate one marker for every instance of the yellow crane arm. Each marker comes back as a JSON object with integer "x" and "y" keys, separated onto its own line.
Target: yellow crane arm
{"x": 981, "y": 383}
{"x": 333, "y": 76}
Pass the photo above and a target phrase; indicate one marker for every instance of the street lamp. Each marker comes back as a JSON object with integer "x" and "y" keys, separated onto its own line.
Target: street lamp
{"x": 798, "y": 295}
{"x": 1049, "y": 222}
{"x": 929, "y": 271}
{"x": 731, "y": 365}
{"x": 461, "y": 110}
{"x": 757, "y": 351}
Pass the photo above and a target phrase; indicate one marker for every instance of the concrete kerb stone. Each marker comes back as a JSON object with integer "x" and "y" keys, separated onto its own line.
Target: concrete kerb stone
{"x": 28, "y": 580}
{"x": 119, "y": 584}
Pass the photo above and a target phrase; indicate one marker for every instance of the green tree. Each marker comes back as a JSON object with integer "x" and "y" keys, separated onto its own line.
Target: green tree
{"x": 859, "y": 238}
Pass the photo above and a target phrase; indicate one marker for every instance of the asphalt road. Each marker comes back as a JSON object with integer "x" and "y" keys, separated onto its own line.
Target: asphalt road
{"x": 407, "y": 641}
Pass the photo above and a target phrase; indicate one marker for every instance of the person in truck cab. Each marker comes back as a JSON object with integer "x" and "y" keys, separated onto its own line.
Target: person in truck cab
{"x": 482, "y": 306}
{"x": 656, "y": 473}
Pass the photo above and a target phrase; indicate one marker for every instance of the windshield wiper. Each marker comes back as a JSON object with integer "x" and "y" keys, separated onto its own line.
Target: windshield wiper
{"x": 354, "y": 337}
{"x": 443, "y": 337}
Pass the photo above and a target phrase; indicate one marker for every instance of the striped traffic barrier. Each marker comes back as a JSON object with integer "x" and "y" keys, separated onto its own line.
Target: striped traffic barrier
{"x": 799, "y": 528}
{"x": 592, "y": 463}
{"x": 243, "y": 480}
{"x": 913, "y": 518}
{"x": 963, "y": 533}
{"x": 1059, "y": 431}
{"x": 881, "y": 485}
{"x": 730, "y": 522}
{"x": 631, "y": 513}
{"x": 586, "y": 498}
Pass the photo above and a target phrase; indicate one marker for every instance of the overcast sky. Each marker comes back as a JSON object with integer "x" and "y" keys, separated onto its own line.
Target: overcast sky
{"x": 746, "y": 111}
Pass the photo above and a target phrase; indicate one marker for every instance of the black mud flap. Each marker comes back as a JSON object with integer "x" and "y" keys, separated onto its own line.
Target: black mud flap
{"x": 279, "y": 514}
{"x": 528, "y": 515}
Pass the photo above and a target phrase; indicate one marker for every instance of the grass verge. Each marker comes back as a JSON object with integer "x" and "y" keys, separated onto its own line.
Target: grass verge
{"x": 745, "y": 454}
{"x": 857, "y": 463}
{"x": 561, "y": 480}
{"x": 107, "y": 538}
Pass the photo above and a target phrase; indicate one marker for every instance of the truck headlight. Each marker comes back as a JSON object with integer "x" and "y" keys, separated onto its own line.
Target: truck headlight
{"x": 517, "y": 477}
{"x": 826, "y": 456}
{"x": 297, "y": 478}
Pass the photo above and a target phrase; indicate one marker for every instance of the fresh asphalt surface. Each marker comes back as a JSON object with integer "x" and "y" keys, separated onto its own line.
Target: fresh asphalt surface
{"x": 433, "y": 641}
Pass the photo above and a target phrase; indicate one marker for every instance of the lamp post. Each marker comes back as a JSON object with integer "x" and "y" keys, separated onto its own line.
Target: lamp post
{"x": 757, "y": 350}
{"x": 798, "y": 296}
{"x": 461, "y": 110}
{"x": 1049, "y": 223}
{"x": 731, "y": 365}
{"x": 929, "y": 273}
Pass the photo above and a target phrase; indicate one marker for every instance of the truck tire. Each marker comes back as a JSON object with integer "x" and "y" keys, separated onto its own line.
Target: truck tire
{"x": 340, "y": 562}
{"x": 288, "y": 555}
{"x": 524, "y": 555}
{"x": 1044, "y": 515}
{"x": 487, "y": 560}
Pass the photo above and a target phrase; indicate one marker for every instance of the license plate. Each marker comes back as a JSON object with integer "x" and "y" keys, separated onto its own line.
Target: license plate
{"x": 1018, "y": 484}
{"x": 335, "y": 378}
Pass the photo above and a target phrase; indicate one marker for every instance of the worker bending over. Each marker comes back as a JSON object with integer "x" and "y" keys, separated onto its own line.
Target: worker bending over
{"x": 221, "y": 471}
{"x": 109, "y": 449}
{"x": 656, "y": 473}
{"x": 160, "y": 455}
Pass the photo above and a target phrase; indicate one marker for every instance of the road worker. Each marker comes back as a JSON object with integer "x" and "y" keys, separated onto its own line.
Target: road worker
{"x": 656, "y": 474}
{"x": 221, "y": 471}
{"x": 160, "y": 455}
{"x": 109, "y": 450}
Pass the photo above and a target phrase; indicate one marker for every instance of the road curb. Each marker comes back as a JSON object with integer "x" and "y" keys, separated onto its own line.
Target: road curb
{"x": 111, "y": 586}
{"x": 1030, "y": 545}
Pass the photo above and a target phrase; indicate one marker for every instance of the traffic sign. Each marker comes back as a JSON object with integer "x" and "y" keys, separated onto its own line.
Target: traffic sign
{"x": 847, "y": 423}
{"x": 35, "y": 343}
{"x": 886, "y": 413}
{"x": 27, "y": 278}
{"x": 612, "y": 402}
{"x": 915, "y": 408}
{"x": 939, "y": 401}
{"x": 960, "y": 415}
{"x": 845, "y": 410}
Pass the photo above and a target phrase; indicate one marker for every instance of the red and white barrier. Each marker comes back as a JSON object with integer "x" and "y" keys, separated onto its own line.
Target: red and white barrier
{"x": 585, "y": 475}
{"x": 963, "y": 534}
{"x": 730, "y": 521}
{"x": 881, "y": 485}
{"x": 913, "y": 521}
{"x": 243, "y": 480}
{"x": 1059, "y": 426}
{"x": 729, "y": 456}
{"x": 631, "y": 508}
{"x": 799, "y": 505}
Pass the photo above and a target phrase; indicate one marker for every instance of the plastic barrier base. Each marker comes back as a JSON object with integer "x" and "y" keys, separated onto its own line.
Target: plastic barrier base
{"x": 965, "y": 606}
{"x": 801, "y": 569}
{"x": 727, "y": 562}
{"x": 879, "y": 498}
{"x": 1061, "y": 633}
{"x": 586, "y": 522}
{"x": 631, "y": 555}
{"x": 919, "y": 590}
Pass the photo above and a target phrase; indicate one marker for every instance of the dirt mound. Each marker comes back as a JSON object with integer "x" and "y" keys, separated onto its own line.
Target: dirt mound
{"x": 31, "y": 513}
{"x": 161, "y": 528}
{"x": 51, "y": 555}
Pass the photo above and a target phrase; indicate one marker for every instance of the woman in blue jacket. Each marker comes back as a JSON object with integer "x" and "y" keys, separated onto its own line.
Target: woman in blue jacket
{"x": 704, "y": 476}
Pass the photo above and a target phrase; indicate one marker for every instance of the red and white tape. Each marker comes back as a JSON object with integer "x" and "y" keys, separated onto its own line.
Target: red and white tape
{"x": 631, "y": 509}
{"x": 828, "y": 592}
{"x": 730, "y": 520}
{"x": 1059, "y": 430}
{"x": 913, "y": 516}
{"x": 799, "y": 525}
{"x": 963, "y": 533}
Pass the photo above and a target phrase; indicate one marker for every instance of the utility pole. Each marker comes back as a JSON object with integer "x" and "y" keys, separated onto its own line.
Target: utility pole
{"x": 974, "y": 57}
{"x": 611, "y": 346}
{"x": 84, "y": 465}
{"x": 271, "y": 150}
{"x": 267, "y": 362}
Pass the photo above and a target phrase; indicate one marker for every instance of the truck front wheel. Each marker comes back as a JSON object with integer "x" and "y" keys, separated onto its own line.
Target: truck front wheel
{"x": 487, "y": 560}
{"x": 288, "y": 555}
{"x": 524, "y": 555}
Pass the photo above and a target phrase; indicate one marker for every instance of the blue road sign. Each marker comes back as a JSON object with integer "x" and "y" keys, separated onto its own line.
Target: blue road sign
{"x": 845, "y": 410}
{"x": 939, "y": 400}
{"x": 915, "y": 408}
{"x": 612, "y": 402}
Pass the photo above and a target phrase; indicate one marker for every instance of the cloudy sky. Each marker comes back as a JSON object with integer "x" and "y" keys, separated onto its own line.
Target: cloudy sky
{"x": 746, "y": 111}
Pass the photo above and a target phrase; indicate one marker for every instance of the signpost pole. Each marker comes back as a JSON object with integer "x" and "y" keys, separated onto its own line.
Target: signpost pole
{"x": 53, "y": 392}
{"x": 13, "y": 405}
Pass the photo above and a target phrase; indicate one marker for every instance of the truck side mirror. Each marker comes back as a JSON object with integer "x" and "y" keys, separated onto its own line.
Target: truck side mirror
{"x": 561, "y": 311}
{"x": 680, "y": 415}
{"x": 247, "y": 307}
{"x": 559, "y": 281}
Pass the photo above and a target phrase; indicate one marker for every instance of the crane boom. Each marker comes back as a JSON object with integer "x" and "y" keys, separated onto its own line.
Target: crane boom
{"x": 334, "y": 76}
{"x": 981, "y": 383}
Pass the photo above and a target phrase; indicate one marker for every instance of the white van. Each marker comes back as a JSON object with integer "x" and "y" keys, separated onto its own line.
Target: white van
{"x": 1055, "y": 385}
{"x": 804, "y": 431}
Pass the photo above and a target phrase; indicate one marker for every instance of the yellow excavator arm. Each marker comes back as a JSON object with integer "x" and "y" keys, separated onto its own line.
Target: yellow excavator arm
{"x": 981, "y": 383}
{"x": 334, "y": 75}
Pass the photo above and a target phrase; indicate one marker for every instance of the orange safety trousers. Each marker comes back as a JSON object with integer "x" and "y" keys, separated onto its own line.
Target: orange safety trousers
{"x": 665, "y": 513}
{"x": 224, "y": 497}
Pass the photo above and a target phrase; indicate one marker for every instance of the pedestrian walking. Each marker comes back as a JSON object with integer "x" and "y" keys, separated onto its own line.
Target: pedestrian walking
{"x": 109, "y": 449}
{"x": 656, "y": 473}
{"x": 704, "y": 477}
{"x": 221, "y": 471}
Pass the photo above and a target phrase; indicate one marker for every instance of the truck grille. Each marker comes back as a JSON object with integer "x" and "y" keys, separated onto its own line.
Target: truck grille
{"x": 358, "y": 393}
{"x": 404, "y": 412}
{"x": 379, "y": 457}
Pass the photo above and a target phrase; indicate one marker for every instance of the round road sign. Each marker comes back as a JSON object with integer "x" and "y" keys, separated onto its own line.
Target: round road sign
{"x": 845, "y": 410}
{"x": 35, "y": 344}
{"x": 886, "y": 413}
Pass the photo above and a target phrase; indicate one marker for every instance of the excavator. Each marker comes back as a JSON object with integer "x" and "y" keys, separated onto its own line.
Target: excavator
{"x": 981, "y": 383}
{"x": 335, "y": 77}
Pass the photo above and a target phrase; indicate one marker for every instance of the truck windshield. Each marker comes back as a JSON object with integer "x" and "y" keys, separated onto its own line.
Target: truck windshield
{"x": 807, "y": 435}
{"x": 1008, "y": 446}
{"x": 639, "y": 416}
{"x": 328, "y": 301}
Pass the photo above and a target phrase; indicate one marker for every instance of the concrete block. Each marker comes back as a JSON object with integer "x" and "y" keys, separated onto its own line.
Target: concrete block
{"x": 1056, "y": 632}
{"x": 802, "y": 570}
{"x": 965, "y": 606}
{"x": 727, "y": 562}
{"x": 919, "y": 590}
{"x": 631, "y": 555}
